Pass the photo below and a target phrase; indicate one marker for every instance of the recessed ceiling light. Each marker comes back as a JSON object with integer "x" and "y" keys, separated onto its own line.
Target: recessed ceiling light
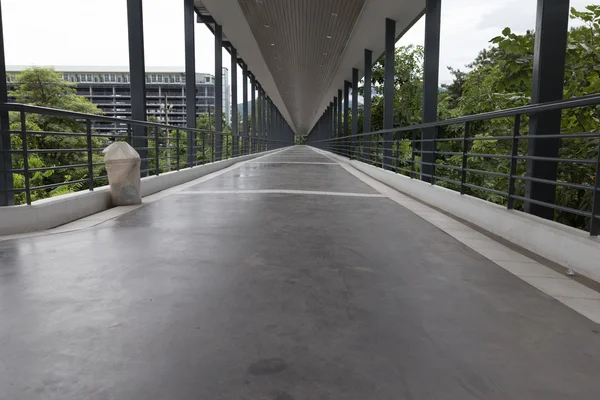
{"x": 272, "y": 44}
{"x": 324, "y": 54}
{"x": 328, "y": 36}
{"x": 334, "y": 15}
{"x": 267, "y": 26}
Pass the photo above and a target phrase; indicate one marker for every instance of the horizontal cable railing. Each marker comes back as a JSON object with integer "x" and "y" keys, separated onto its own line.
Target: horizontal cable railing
{"x": 67, "y": 155}
{"x": 486, "y": 156}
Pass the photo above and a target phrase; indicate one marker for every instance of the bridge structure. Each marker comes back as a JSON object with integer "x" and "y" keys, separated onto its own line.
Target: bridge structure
{"x": 363, "y": 265}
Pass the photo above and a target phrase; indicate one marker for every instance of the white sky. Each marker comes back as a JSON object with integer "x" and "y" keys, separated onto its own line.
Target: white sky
{"x": 91, "y": 32}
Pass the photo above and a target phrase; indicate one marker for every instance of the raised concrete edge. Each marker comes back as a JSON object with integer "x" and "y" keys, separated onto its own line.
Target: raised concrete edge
{"x": 55, "y": 211}
{"x": 567, "y": 246}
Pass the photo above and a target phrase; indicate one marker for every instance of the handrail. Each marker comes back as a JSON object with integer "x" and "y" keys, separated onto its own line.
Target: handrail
{"x": 509, "y": 112}
{"x": 385, "y": 152}
{"x": 18, "y": 107}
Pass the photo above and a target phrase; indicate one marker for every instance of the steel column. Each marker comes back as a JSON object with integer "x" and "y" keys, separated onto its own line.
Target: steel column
{"x": 346, "y": 142}
{"x": 259, "y": 110}
{"x": 552, "y": 24}
{"x": 245, "y": 130}
{"x": 355, "y": 111}
{"x": 431, "y": 68}
{"x": 190, "y": 78}
{"x": 388, "y": 91}
{"x": 339, "y": 112}
{"x": 6, "y": 180}
{"x": 335, "y": 117}
{"x": 137, "y": 78}
{"x": 235, "y": 139}
{"x": 253, "y": 112}
{"x": 218, "y": 92}
{"x": 331, "y": 124}
{"x": 367, "y": 106}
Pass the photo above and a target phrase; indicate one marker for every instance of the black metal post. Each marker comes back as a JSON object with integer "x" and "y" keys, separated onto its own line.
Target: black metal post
{"x": 388, "y": 92}
{"x": 513, "y": 162}
{"x": 595, "y": 223}
{"x": 137, "y": 78}
{"x": 190, "y": 78}
{"x": 260, "y": 110}
{"x": 6, "y": 180}
{"x": 177, "y": 147}
{"x": 463, "y": 170}
{"x": 218, "y": 91}
{"x": 367, "y": 106}
{"x": 234, "y": 109}
{"x": 551, "y": 30}
{"x": 245, "y": 130}
{"x": 346, "y": 142}
{"x": 156, "y": 152}
{"x": 90, "y": 159}
{"x": 431, "y": 68}
{"x": 340, "y": 127}
{"x": 253, "y": 107}
{"x": 355, "y": 111}
{"x": 25, "y": 158}
{"x": 330, "y": 125}
{"x": 335, "y": 117}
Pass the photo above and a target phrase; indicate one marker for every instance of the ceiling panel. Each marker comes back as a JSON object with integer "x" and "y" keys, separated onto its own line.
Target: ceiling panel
{"x": 302, "y": 42}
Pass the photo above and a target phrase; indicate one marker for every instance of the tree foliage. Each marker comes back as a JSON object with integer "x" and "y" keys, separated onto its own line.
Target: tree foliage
{"x": 499, "y": 78}
{"x": 45, "y": 87}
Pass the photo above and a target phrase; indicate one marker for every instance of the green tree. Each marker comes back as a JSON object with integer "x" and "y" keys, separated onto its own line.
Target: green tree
{"x": 500, "y": 78}
{"x": 44, "y": 87}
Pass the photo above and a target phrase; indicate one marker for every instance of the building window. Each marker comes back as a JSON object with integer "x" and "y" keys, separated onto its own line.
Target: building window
{"x": 118, "y": 79}
{"x": 113, "y": 77}
{"x": 172, "y": 79}
{"x": 106, "y": 78}
{"x": 177, "y": 78}
{"x": 160, "y": 78}
{"x": 153, "y": 77}
{"x": 89, "y": 77}
{"x": 207, "y": 79}
{"x": 95, "y": 79}
{"x": 66, "y": 77}
{"x": 148, "y": 79}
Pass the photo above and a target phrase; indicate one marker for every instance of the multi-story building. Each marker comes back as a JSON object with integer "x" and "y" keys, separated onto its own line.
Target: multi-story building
{"x": 109, "y": 89}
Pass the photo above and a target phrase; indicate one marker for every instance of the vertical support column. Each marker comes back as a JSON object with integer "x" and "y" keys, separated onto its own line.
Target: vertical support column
{"x": 137, "y": 77}
{"x": 253, "y": 112}
{"x": 6, "y": 180}
{"x": 388, "y": 91}
{"x": 235, "y": 139}
{"x": 354, "y": 111}
{"x": 263, "y": 121}
{"x": 245, "y": 127}
{"x": 218, "y": 91}
{"x": 431, "y": 69}
{"x": 339, "y": 112}
{"x": 190, "y": 78}
{"x": 346, "y": 143}
{"x": 335, "y": 118}
{"x": 551, "y": 30}
{"x": 259, "y": 121}
{"x": 331, "y": 124}
{"x": 367, "y": 106}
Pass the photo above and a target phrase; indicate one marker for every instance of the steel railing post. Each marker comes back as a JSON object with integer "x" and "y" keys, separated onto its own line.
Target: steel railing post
{"x": 90, "y": 161}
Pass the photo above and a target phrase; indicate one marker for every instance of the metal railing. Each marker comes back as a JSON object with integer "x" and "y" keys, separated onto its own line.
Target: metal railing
{"x": 485, "y": 155}
{"x": 68, "y": 157}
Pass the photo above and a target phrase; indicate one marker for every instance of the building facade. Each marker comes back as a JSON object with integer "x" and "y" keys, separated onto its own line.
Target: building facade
{"x": 109, "y": 89}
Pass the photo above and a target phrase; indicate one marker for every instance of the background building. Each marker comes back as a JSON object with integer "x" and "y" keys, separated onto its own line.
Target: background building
{"x": 109, "y": 89}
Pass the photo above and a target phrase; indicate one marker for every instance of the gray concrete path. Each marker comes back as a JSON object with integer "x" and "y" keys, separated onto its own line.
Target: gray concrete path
{"x": 287, "y": 278}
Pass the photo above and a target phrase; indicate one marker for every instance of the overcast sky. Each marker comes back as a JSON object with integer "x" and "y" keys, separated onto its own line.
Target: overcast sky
{"x": 91, "y": 32}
